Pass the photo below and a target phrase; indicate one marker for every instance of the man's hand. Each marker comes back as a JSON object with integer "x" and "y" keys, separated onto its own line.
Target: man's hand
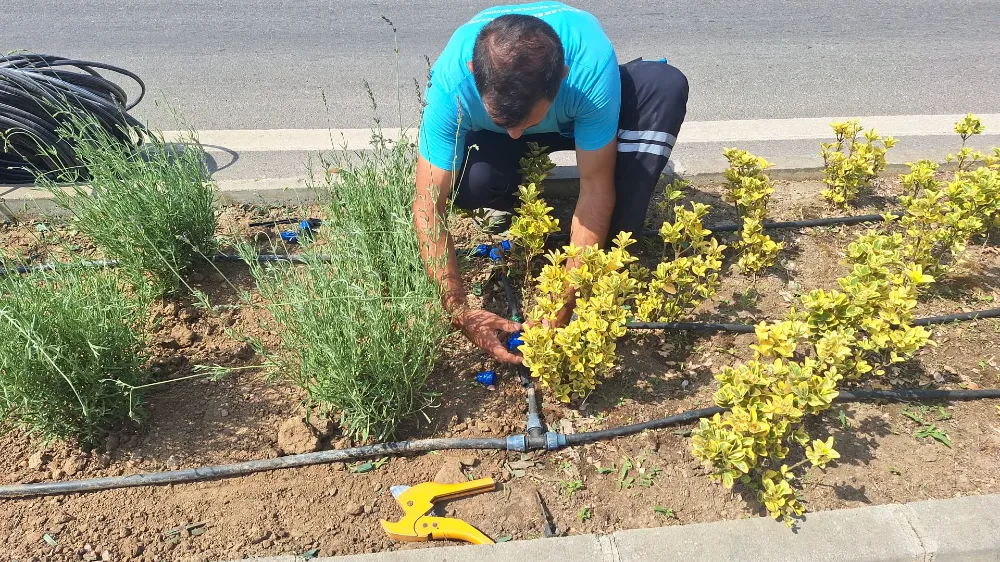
{"x": 481, "y": 327}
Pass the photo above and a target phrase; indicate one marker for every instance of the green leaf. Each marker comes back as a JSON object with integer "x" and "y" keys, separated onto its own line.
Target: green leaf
{"x": 505, "y": 538}
{"x": 49, "y": 540}
{"x": 665, "y": 511}
{"x": 364, "y": 467}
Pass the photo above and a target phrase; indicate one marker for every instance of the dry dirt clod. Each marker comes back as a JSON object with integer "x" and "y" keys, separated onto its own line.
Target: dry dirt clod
{"x": 354, "y": 509}
{"x": 322, "y": 425}
{"x": 38, "y": 460}
{"x": 295, "y": 436}
{"x": 182, "y": 335}
{"x": 450, "y": 472}
{"x": 172, "y": 463}
{"x": 927, "y": 453}
{"x": 74, "y": 464}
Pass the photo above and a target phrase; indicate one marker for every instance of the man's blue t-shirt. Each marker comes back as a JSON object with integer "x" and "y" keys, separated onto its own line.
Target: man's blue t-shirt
{"x": 586, "y": 107}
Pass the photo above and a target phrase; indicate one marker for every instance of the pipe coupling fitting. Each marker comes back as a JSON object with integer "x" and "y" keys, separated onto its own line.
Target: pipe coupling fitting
{"x": 554, "y": 441}
{"x": 517, "y": 443}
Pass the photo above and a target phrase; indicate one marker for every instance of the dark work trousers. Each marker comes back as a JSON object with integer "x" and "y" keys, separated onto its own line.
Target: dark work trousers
{"x": 653, "y": 105}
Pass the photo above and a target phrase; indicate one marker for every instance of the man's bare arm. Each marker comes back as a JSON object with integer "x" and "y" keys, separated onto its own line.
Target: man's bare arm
{"x": 438, "y": 252}
{"x": 592, "y": 217}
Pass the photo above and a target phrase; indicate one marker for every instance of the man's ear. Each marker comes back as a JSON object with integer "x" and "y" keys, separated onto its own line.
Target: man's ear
{"x": 470, "y": 66}
{"x": 565, "y": 70}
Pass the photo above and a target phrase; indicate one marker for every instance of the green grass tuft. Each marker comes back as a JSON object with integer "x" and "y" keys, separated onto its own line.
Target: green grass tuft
{"x": 150, "y": 208}
{"x": 362, "y": 330}
{"x": 67, "y": 338}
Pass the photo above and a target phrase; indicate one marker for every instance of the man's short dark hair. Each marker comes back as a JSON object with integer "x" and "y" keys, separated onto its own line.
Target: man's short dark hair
{"x": 517, "y": 61}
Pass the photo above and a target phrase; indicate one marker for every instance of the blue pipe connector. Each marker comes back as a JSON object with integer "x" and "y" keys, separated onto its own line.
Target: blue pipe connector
{"x": 487, "y": 378}
{"x": 514, "y": 341}
{"x": 481, "y": 251}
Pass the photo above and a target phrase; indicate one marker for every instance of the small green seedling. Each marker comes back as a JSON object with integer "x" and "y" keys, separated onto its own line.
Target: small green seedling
{"x": 933, "y": 432}
{"x": 844, "y": 423}
{"x": 370, "y": 465}
{"x": 665, "y": 512}
{"x": 585, "y": 514}
{"x": 571, "y": 487}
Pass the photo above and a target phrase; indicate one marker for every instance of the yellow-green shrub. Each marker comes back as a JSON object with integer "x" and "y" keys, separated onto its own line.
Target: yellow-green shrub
{"x": 569, "y": 359}
{"x": 680, "y": 284}
{"x": 850, "y": 164}
{"x": 942, "y": 217}
{"x": 798, "y": 364}
{"x": 532, "y": 222}
{"x": 750, "y": 190}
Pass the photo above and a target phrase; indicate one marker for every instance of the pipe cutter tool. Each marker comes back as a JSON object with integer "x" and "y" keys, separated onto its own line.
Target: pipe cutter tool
{"x": 418, "y": 524}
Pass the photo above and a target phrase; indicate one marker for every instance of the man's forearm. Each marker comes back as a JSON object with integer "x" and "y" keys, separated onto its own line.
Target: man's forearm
{"x": 438, "y": 253}
{"x": 436, "y": 246}
{"x": 592, "y": 216}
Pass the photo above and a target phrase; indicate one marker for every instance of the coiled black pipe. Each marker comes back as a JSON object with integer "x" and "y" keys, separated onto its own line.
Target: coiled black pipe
{"x": 39, "y": 95}
{"x": 426, "y": 445}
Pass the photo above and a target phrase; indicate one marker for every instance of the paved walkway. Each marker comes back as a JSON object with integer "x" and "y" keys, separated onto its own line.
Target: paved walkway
{"x": 961, "y": 529}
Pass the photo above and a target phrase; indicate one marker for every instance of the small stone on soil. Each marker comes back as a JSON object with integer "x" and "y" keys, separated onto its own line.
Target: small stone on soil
{"x": 354, "y": 509}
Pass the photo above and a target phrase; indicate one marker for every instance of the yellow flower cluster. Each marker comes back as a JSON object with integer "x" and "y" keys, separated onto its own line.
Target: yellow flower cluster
{"x": 851, "y": 163}
{"x": 680, "y": 284}
{"x": 750, "y": 190}
{"x": 569, "y": 359}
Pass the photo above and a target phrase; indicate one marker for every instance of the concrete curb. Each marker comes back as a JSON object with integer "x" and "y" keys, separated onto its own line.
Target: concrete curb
{"x": 953, "y": 530}
{"x": 17, "y": 202}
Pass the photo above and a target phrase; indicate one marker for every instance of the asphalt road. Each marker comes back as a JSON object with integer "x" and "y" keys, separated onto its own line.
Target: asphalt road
{"x": 262, "y": 65}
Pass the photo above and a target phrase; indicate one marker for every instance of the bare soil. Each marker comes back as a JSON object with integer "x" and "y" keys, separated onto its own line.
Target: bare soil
{"x": 336, "y": 510}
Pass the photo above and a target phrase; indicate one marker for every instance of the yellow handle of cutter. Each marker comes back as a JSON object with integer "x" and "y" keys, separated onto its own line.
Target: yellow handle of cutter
{"x": 455, "y": 529}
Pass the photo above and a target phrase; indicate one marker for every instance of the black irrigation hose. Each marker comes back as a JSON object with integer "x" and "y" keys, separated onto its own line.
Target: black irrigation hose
{"x": 772, "y": 225}
{"x": 958, "y": 317}
{"x": 40, "y": 94}
{"x": 692, "y": 326}
{"x": 749, "y": 328}
{"x": 115, "y": 263}
{"x": 898, "y": 395}
{"x": 427, "y": 445}
{"x": 535, "y": 424}
{"x": 249, "y": 467}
